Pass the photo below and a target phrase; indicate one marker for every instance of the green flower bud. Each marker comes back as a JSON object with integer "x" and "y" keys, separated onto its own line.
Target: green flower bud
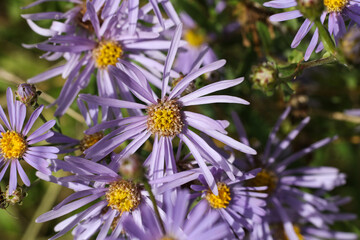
{"x": 264, "y": 76}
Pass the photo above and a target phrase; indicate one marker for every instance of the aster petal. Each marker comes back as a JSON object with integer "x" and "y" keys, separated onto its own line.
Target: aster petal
{"x": 303, "y": 30}
{"x": 312, "y": 45}
{"x": 13, "y": 177}
{"x": 68, "y": 208}
{"x": 35, "y": 115}
{"x": 47, "y": 75}
{"x": 5, "y": 167}
{"x": 111, "y": 102}
{"x": 139, "y": 91}
{"x": 45, "y": 127}
{"x": 42, "y": 1}
{"x": 92, "y": 14}
{"x": 91, "y": 166}
{"x": 11, "y": 108}
{"x": 43, "y": 16}
{"x": 286, "y": 142}
{"x": 4, "y": 119}
{"x": 20, "y": 115}
{"x": 135, "y": 144}
{"x": 285, "y": 16}
{"x": 215, "y": 99}
{"x": 280, "y": 4}
{"x": 41, "y": 138}
{"x": 207, "y": 174}
{"x": 170, "y": 59}
{"x": 288, "y": 227}
{"x": 231, "y": 142}
{"x": 22, "y": 174}
{"x": 179, "y": 88}
{"x": 35, "y": 163}
{"x": 272, "y": 135}
{"x": 39, "y": 30}
{"x": 95, "y": 208}
{"x": 221, "y": 85}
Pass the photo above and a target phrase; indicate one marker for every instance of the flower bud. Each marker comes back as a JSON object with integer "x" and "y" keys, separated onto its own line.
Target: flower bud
{"x": 311, "y": 9}
{"x": 16, "y": 197}
{"x": 131, "y": 168}
{"x": 350, "y": 46}
{"x": 264, "y": 76}
{"x": 27, "y": 94}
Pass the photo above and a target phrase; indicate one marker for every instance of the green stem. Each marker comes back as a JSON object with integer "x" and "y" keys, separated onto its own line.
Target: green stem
{"x": 304, "y": 65}
{"x": 325, "y": 38}
{"x": 152, "y": 198}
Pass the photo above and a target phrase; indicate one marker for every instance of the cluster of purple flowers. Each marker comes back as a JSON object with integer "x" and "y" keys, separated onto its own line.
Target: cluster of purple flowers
{"x": 142, "y": 99}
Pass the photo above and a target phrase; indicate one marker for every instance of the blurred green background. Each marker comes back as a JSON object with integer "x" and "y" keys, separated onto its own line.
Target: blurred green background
{"x": 322, "y": 93}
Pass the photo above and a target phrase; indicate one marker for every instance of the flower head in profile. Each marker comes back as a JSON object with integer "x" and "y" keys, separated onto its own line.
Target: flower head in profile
{"x": 166, "y": 118}
{"x": 336, "y": 12}
{"x": 17, "y": 144}
{"x": 286, "y": 185}
{"x": 179, "y": 223}
{"x": 112, "y": 199}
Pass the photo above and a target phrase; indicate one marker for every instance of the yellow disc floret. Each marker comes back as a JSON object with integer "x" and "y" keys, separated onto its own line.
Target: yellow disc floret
{"x": 167, "y": 238}
{"x": 107, "y": 53}
{"x": 90, "y": 140}
{"x": 264, "y": 178}
{"x": 222, "y": 200}
{"x": 335, "y": 5}
{"x": 12, "y": 145}
{"x": 194, "y": 37}
{"x": 280, "y": 234}
{"x": 123, "y": 196}
{"x": 165, "y": 118}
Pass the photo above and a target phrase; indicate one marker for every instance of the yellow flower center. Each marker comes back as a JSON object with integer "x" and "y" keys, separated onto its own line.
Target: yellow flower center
{"x": 165, "y": 118}
{"x": 335, "y": 5}
{"x": 222, "y": 200}
{"x": 107, "y": 53}
{"x": 280, "y": 234}
{"x": 90, "y": 140}
{"x": 264, "y": 178}
{"x": 12, "y": 145}
{"x": 298, "y": 233}
{"x": 167, "y": 238}
{"x": 194, "y": 37}
{"x": 123, "y": 196}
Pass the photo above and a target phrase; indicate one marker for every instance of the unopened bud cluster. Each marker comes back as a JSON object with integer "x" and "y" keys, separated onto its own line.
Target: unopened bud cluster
{"x": 27, "y": 94}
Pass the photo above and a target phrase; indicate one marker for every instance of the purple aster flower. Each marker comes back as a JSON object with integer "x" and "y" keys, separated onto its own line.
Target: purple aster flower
{"x": 239, "y": 205}
{"x": 166, "y": 119}
{"x": 17, "y": 144}
{"x": 284, "y": 182}
{"x": 77, "y": 19}
{"x": 112, "y": 199}
{"x": 271, "y": 227}
{"x": 196, "y": 43}
{"x": 337, "y": 12}
{"x": 110, "y": 42}
{"x": 178, "y": 223}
